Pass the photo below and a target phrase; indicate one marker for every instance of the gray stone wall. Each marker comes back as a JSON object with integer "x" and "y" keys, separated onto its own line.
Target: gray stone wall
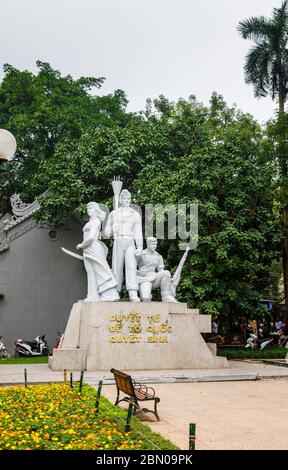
{"x": 39, "y": 282}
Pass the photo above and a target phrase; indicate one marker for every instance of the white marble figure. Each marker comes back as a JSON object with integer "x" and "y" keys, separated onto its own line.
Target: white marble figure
{"x": 151, "y": 274}
{"x": 101, "y": 282}
{"x": 125, "y": 225}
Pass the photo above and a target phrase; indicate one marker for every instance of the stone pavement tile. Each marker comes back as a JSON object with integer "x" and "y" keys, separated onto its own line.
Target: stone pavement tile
{"x": 228, "y": 415}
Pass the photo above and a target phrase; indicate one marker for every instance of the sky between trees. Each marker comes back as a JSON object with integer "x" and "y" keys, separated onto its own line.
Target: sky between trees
{"x": 171, "y": 47}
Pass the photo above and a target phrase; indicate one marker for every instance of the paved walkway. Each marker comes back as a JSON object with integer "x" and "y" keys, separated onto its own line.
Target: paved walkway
{"x": 231, "y": 409}
{"x": 243, "y": 415}
{"x": 239, "y": 370}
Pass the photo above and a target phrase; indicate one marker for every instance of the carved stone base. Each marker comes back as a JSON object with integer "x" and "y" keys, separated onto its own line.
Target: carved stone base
{"x": 69, "y": 359}
{"x": 135, "y": 336}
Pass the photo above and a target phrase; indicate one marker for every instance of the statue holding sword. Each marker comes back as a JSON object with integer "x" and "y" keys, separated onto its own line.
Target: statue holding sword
{"x": 101, "y": 284}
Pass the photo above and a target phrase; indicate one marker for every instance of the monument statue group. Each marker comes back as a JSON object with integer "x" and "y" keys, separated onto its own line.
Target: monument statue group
{"x": 144, "y": 269}
{"x": 104, "y": 332}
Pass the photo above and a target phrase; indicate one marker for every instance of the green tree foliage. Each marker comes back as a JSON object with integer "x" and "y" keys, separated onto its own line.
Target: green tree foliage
{"x": 266, "y": 68}
{"x": 220, "y": 167}
{"x": 43, "y": 110}
{"x": 183, "y": 153}
{"x": 72, "y": 143}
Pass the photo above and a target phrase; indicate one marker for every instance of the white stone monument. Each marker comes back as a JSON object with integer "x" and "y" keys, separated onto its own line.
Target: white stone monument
{"x": 102, "y": 334}
{"x": 135, "y": 336}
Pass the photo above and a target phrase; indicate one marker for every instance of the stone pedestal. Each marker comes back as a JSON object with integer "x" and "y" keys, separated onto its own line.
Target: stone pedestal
{"x": 135, "y": 336}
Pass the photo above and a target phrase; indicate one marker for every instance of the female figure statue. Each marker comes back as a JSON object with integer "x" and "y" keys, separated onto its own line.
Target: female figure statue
{"x": 101, "y": 282}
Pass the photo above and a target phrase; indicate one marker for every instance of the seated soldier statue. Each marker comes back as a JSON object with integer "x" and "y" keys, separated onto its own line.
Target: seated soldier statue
{"x": 151, "y": 274}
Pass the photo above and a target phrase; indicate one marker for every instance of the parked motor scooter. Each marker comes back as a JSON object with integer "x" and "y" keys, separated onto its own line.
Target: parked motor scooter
{"x": 37, "y": 347}
{"x": 3, "y": 350}
{"x": 253, "y": 342}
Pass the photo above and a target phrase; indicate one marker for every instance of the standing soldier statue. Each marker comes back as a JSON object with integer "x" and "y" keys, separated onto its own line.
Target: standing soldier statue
{"x": 125, "y": 226}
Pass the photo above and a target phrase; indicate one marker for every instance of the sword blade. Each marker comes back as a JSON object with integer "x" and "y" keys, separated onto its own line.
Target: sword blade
{"x": 70, "y": 253}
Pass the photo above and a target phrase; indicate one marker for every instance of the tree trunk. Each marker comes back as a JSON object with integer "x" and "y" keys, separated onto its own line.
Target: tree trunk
{"x": 281, "y": 101}
{"x": 285, "y": 262}
{"x": 285, "y": 211}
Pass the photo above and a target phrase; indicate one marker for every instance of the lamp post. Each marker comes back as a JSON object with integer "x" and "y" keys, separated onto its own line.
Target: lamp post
{"x": 7, "y": 149}
{"x": 7, "y": 146}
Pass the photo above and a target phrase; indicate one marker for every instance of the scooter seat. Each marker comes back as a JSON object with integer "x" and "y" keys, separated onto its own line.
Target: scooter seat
{"x": 33, "y": 344}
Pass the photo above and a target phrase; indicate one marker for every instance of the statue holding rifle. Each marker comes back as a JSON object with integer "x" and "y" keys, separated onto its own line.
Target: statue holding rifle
{"x": 152, "y": 274}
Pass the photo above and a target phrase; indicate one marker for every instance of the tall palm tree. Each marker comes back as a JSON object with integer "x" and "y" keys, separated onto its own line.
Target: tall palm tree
{"x": 266, "y": 68}
{"x": 266, "y": 65}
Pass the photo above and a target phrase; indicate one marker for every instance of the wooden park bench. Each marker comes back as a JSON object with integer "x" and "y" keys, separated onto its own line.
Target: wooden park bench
{"x": 138, "y": 392}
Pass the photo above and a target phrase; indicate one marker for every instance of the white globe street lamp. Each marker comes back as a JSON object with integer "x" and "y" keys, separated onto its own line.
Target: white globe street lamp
{"x": 7, "y": 145}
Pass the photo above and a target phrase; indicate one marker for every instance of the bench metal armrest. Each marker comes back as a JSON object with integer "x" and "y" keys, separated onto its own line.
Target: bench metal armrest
{"x": 151, "y": 391}
{"x": 144, "y": 388}
{"x": 139, "y": 386}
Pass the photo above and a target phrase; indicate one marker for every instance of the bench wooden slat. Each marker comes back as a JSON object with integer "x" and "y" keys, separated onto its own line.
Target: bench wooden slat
{"x": 139, "y": 392}
{"x": 142, "y": 395}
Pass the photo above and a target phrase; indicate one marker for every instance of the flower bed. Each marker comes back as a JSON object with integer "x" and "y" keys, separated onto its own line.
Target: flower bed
{"x": 57, "y": 417}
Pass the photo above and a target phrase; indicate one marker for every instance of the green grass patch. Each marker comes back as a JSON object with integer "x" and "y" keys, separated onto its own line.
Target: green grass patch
{"x": 25, "y": 360}
{"x": 239, "y": 353}
{"x": 57, "y": 417}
